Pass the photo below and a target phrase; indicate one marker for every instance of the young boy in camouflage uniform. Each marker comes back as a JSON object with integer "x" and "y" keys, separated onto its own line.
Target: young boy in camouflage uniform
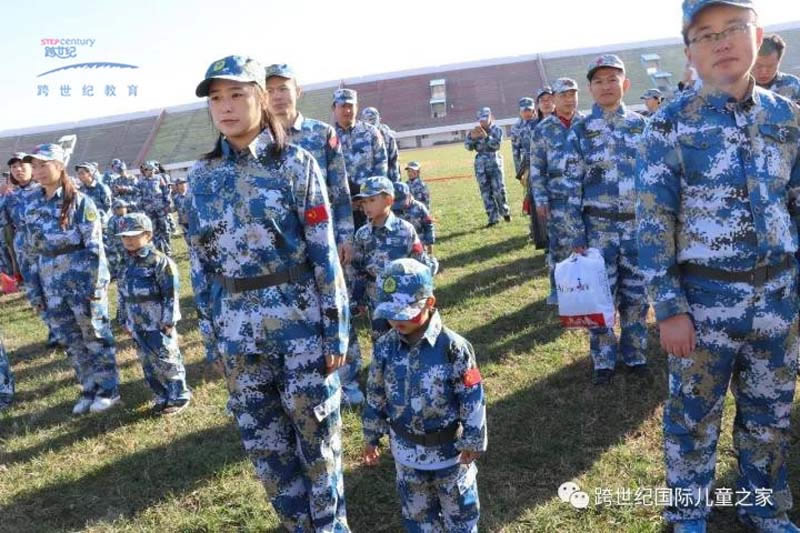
{"x": 149, "y": 289}
{"x": 411, "y": 210}
{"x": 418, "y": 187}
{"x": 115, "y": 252}
{"x": 437, "y": 428}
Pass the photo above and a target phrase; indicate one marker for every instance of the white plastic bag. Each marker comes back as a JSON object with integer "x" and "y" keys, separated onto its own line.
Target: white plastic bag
{"x": 584, "y": 296}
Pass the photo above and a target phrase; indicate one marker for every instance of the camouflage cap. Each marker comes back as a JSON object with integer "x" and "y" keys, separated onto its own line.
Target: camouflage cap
{"x": 605, "y": 60}
{"x": 118, "y": 164}
{"x": 281, "y": 70}
{"x": 371, "y": 115}
{"x": 91, "y": 168}
{"x": 692, "y": 7}
{"x": 413, "y": 165}
{"x": 375, "y": 185}
{"x": 234, "y": 68}
{"x": 563, "y": 85}
{"x": 484, "y": 113}
{"x": 46, "y": 152}
{"x": 180, "y": 179}
{"x": 149, "y": 165}
{"x": 119, "y": 202}
{"x": 652, "y": 93}
{"x": 526, "y": 103}
{"x": 16, "y": 156}
{"x": 403, "y": 288}
{"x": 134, "y": 224}
{"x": 401, "y": 194}
{"x": 543, "y": 91}
{"x": 345, "y": 96}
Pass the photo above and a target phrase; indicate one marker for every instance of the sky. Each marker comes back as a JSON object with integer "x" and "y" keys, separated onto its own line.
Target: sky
{"x": 172, "y": 42}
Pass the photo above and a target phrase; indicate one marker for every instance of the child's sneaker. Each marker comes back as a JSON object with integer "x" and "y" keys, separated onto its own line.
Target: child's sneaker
{"x": 101, "y": 404}
{"x": 176, "y": 407}
{"x": 83, "y": 406}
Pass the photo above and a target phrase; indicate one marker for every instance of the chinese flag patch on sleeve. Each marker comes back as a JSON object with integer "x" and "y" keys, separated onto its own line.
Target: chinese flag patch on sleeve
{"x": 417, "y": 248}
{"x": 316, "y": 214}
{"x": 333, "y": 141}
{"x": 472, "y": 377}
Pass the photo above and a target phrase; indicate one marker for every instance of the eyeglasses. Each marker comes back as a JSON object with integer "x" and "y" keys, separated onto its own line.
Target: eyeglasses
{"x": 731, "y": 32}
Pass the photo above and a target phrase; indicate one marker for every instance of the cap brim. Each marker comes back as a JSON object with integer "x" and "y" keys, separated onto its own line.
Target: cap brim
{"x": 528, "y": 107}
{"x": 204, "y": 86}
{"x": 689, "y": 22}
{"x": 391, "y": 311}
{"x": 131, "y": 233}
{"x": 345, "y": 101}
{"x": 30, "y": 157}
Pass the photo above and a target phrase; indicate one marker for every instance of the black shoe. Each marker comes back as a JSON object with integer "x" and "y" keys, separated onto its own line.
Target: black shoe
{"x": 640, "y": 372}
{"x": 604, "y": 376}
{"x": 490, "y": 224}
{"x": 507, "y": 218}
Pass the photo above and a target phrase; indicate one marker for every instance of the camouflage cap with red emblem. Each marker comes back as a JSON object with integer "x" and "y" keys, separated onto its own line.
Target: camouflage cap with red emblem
{"x": 605, "y": 61}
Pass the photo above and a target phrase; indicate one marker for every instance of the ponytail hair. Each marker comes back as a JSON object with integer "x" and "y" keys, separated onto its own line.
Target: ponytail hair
{"x": 268, "y": 121}
{"x": 69, "y": 193}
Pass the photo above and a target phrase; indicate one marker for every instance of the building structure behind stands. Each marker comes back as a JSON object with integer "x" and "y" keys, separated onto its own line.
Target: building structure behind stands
{"x": 426, "y": 106}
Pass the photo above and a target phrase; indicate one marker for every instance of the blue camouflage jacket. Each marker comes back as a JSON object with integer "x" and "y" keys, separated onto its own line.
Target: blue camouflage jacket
{"x": 255, "y": 213}
{"x": 364, "y": 153}
{"x": 549, "y": 146}
{"x": 717, "y": 184}
{"x": 418, "y": 215}
{"x": 101, "y": 196}
{"x": 424, "y": 388}
{"x": 786, "y": 85}
{"x": 487, "y": 147}
{"x": 419, "y": 190}
{"x": 149, "y": 289}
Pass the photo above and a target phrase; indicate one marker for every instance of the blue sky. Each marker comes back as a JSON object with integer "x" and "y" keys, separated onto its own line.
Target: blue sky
{"x": 173, "y": 41}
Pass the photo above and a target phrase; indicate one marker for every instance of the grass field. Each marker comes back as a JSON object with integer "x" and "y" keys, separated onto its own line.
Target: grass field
{"x": 129, "y": 471}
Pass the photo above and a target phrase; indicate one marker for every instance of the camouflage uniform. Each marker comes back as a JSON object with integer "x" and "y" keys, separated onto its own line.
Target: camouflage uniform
{"x": 553, "y": 189}
{"x": 420, "y": 394}
{"x": 254, "y": 214}
{"x": 603, "y": 148}
{"x": 101, "y": 196}
{"x": 6, "y": 379}
{"x": 180, "y": 202}
{"x": 717, "y": 186}
{"x": 12, "y": 214}
{"x": 364, "y": 153}
{"x": 70, "y": 278}
{"x": 785, "y": 85}
{"x": 371, "y": 116}
{"x": 156, "y": 203}
{"x": 128, "y": 188}
{"x": 420, "y": 192}
{"x": 414, "y": 212}
{"x": 520, "y": 135}
{"x": 321, "y": 141}
{"x": 489, "y": 172}
{"x": 149, "y": 293}
{"x": 375, "y": 247}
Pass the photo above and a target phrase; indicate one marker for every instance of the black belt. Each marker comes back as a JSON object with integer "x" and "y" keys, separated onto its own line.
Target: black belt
{"x": 64, "y": 250}
{"x": 611, "y": 215}
{"x": 293, "y": 275}
{"x": 447, "y": 435}
{"x": 143, "y": 298}
{"x": 757, "y": 276}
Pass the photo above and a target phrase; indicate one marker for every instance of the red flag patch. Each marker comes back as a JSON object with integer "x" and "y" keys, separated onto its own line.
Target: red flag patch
{"x": 333, "y": 141}
{"x": 316, "y": 214}
{"x": 472, "y": 377}
{"x": 417, "y": 248}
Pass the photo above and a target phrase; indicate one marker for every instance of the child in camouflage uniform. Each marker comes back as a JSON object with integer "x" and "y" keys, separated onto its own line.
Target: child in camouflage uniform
{"x": 418, "y": 187}
{"x": 149, "y": 290}
{"x": 413, "y": 211}
{"x": 425, "y": 392}
{"x": 115, "y": 252}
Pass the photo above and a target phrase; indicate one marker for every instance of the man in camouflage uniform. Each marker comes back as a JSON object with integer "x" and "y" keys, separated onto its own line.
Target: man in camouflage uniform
{"x": 370, "y": 115}
{"x": 425, "y": 392}
{"x": 321, "y": 141}
{"x": 718, "y": 185}
{"x": 149, "y": 290}
{"x": 124, "y": 185}
{"x": 266, "y": 274}
{"x": 485, "y": 140}
{"x": 417, "y": 187}
{"x": 601, "y": 160}
{"x": 156, "y": 203}
{"x": 362, "y": 145}
{"x": 6, "y": 380}
{"x": 652, "y": 98}
{"x": 767, "y": 69}
{"x": 520, "y": 133}
{"x": 553, "y": 193}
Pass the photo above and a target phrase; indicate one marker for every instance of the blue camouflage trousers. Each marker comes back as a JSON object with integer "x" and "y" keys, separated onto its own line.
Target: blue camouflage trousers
{"x": 439, "y": 501}
{"x": 6, "y": 378}
{"x": 162, "y": 236}
{"x": 348, "y": 374}
{"x": 288, "y": 415}
{"x": 617, "y": 242}
{"x": 746, "y": 336}
{"x": 83, "y": 327}
{"x": 489, "y": 173}
{"x": 561, "y": 233}
{"x": 162, "y": 365}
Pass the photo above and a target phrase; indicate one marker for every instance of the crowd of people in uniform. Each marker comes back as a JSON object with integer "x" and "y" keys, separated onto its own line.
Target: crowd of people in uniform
{"x": 295, "y": 227}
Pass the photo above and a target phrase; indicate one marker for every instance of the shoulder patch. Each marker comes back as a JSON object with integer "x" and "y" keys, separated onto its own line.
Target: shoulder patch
{"x": 316, "y": 214}
{"x": 471, "y": 377}
{"x": 333, "y": 141}
{"x": 91, "y": 215}
{"x": 417, "y": 248}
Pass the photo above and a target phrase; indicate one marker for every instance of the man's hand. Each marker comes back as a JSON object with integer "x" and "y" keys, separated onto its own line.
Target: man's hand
{"x": 167, "y": 329}
{"x": 677, "y": 335}
{"x": 543, "y": 212}
{"x": 580, "y": 250}
{"x": 371, "y": 455}
{"x": 334, "y": 362}
{"x": 467, "y": 457}
{"x": 345, "y": 253}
